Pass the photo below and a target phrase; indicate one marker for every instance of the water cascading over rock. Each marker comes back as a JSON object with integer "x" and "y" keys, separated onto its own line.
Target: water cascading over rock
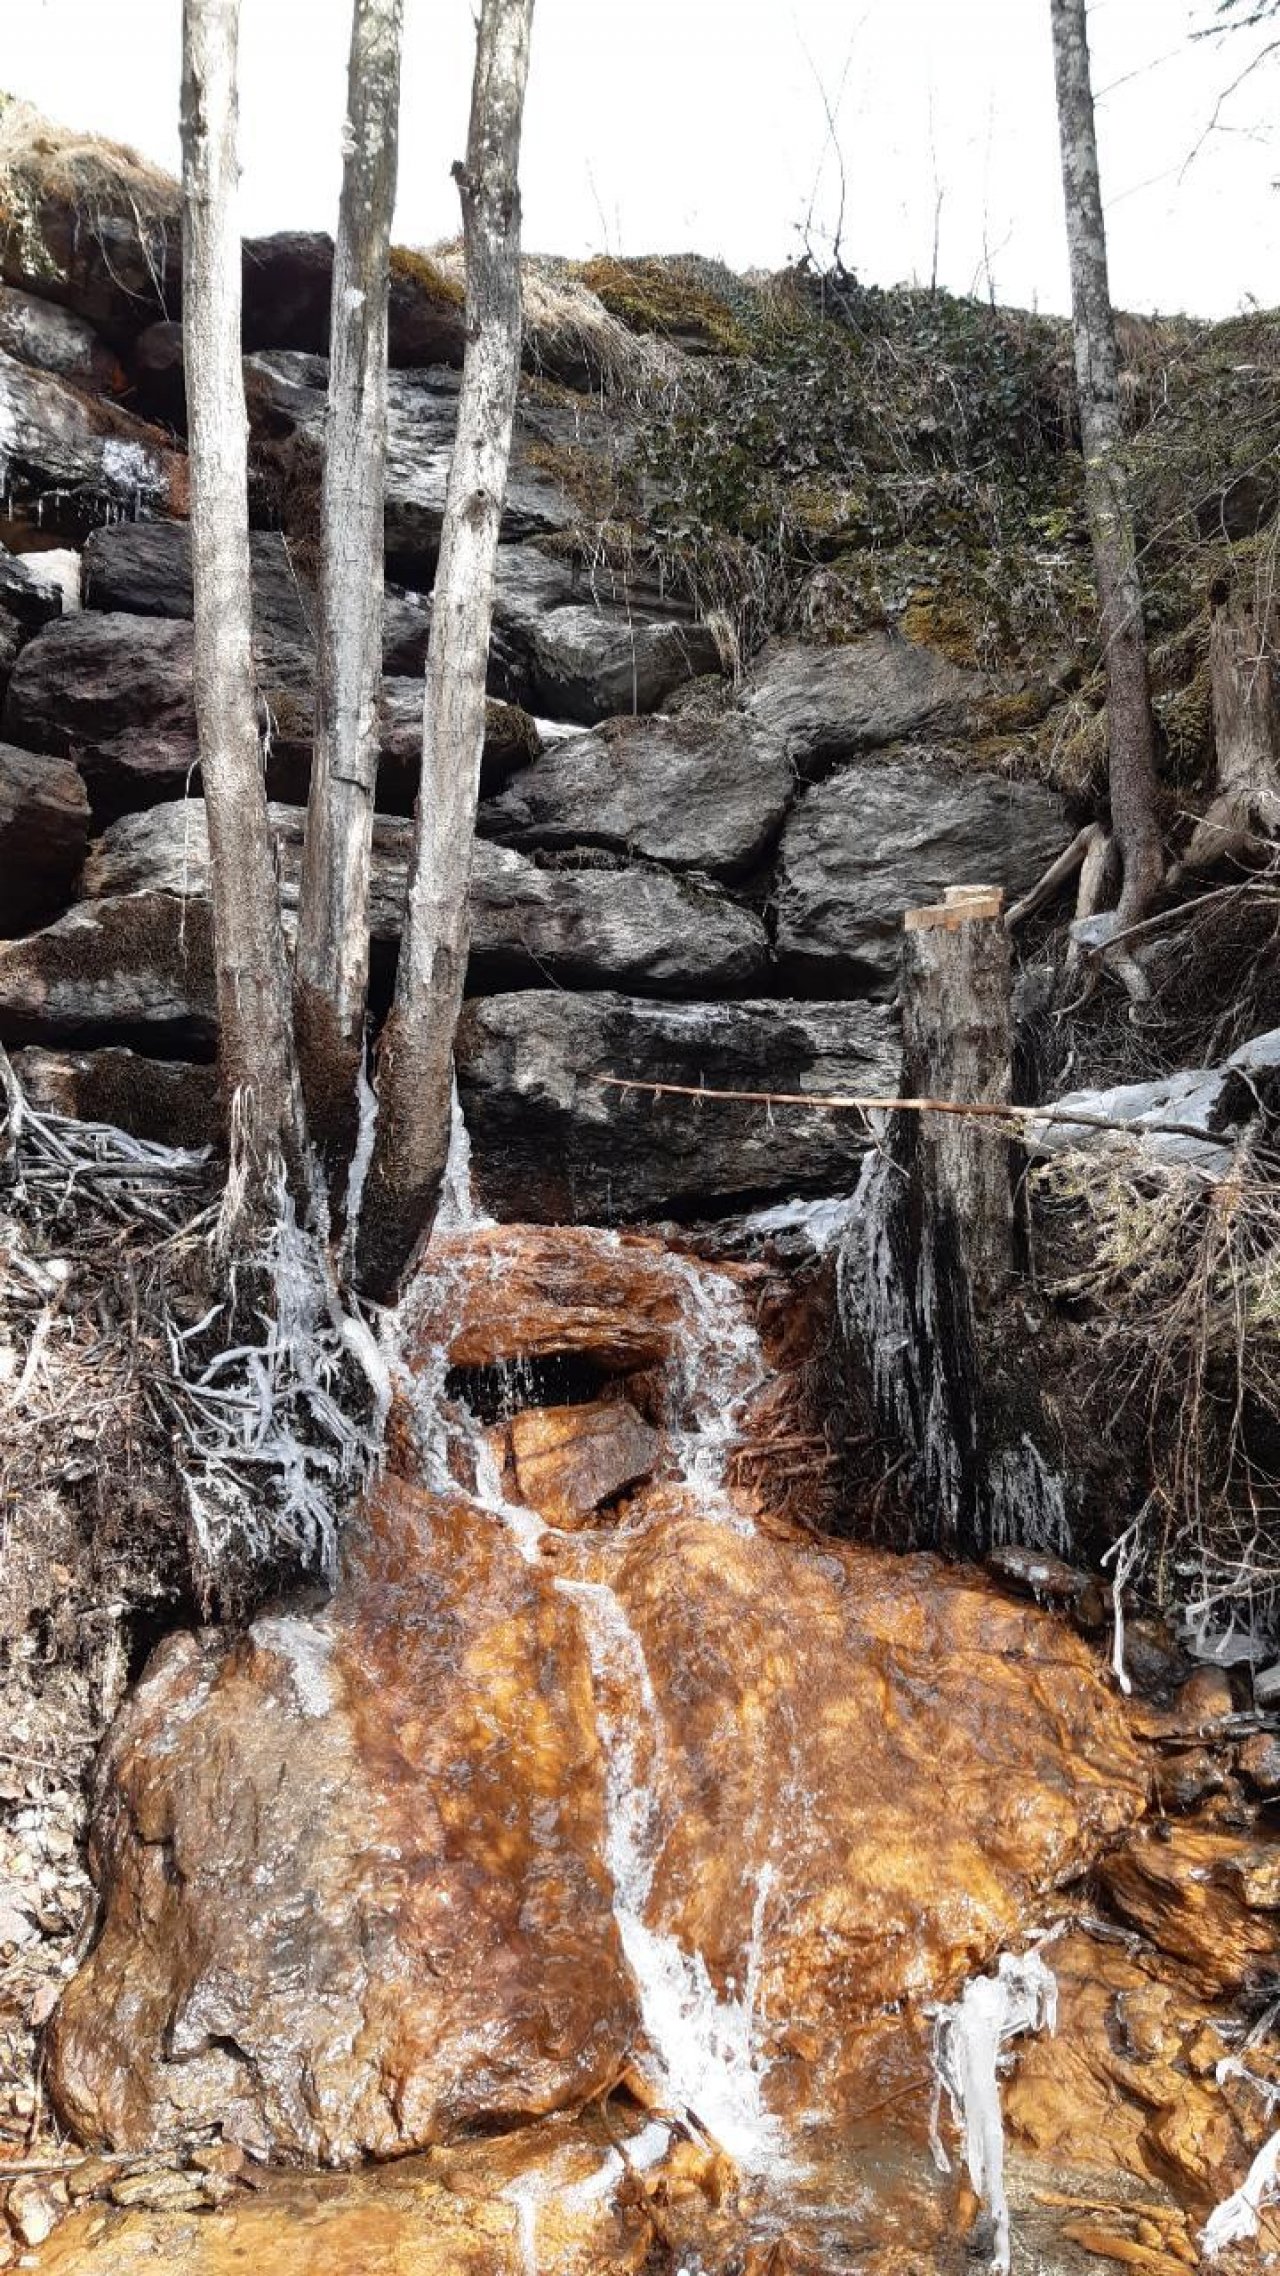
{"x": 527, "y": 1810}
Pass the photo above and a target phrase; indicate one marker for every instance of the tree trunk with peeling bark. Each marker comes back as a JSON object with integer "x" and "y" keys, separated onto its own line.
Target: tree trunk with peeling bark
{"x": 1130, "y": 729}
{"x": 1243, "y": 819}
{"x": 416, "y": 1058}
{"x": 257, "y": 1062}
{"x": 332, "y": 965}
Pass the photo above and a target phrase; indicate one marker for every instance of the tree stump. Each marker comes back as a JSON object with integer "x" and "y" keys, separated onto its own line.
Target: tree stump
{"x": 931, "y": 1285}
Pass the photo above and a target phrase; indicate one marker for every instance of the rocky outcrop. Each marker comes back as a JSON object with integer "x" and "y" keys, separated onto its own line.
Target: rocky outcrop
{"x": 890, "y": 832}
{"x": 288, "y": 394}
{"x": 44, "y": 830}
{"x": 554, "y": 1141}
{"x": 584, "y": 644}
{"x": 699, "y": 794}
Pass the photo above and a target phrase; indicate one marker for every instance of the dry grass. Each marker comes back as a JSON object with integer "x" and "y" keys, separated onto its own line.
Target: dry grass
{"x": 84, "y": 170}
{"x": 1180, "y": 1279}
{"x": 567, "y": 326}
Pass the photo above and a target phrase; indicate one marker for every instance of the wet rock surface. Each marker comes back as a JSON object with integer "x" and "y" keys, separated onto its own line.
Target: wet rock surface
{"x": 553, "y": 1141}
{"x": 365, "y": 1876}
{"x": 80, "y": 457}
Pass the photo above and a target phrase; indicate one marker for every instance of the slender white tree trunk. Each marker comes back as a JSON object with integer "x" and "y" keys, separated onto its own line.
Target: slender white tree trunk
{"x": 1131, "y": 735}
{"x": 332, "y": 968}
{"x": 255, "y": 1026}
{"x": 415, "y": 1064}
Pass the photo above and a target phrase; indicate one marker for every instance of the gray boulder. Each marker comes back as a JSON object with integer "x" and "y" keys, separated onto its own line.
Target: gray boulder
{"x": 553, "y": 1142}
{"x": 824, "y": 704}
{"x": 288, "y": 393}
{"x": 77, "y": 460}
{"x": 578, "y": 644}
{"x": 633, "y": 928}
{"x": 889, "y": 832}
{"x": 700, "y": 794}
{"x": 114, "y": 693}
{"x": 53, "y": 339}
{"x": 44, "y": 829}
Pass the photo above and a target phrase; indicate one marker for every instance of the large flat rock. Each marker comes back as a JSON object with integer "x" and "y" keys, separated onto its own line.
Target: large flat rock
{"x": 135, "y": 969}
{"x": 888, "y": 832}
{"x": 700, "y": 794}
{"x": 555, "y": 1143}
{"x": 627, "y": 926}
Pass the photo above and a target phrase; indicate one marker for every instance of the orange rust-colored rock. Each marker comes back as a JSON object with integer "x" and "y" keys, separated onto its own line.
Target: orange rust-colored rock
{"x": 358, "y": 1866}
{"x": 1207, "y": 1897}
{"x": 569, "y": 1461}
{"x": 355, "y": 1895}
{"x": 352, "y": 1865}
{"x": 508, "y": 1292}
{"x": 1122, "y": 2084}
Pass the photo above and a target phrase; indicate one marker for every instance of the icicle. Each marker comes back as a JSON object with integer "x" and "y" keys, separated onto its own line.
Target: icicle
{"x": 1235, "y": 2220}
{"x": 1125, "y": 1553}
{"x": 457, "y": 1212}
{"x": 969, "y": 2039}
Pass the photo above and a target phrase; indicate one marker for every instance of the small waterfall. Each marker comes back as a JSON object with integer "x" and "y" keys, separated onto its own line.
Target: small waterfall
{"x": 705, "y": 2047}
{"x": 717, "y": 1366}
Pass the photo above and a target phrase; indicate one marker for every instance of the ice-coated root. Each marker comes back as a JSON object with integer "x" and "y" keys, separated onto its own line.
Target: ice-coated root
{"x": 1235, "y": 2220}
{"x": 970, "y": 2037}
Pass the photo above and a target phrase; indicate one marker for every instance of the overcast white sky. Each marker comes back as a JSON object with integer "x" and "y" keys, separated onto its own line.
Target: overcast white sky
{"x": 670, "y": 125}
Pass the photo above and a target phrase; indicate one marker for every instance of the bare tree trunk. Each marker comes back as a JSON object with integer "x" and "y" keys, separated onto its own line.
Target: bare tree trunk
{"x": 256, "y": 1040}
{"x": 930, "y": 1284}
{"x": 1244, "y": 673}
{"x": 414, "y": 1081}
{"x": 332, "y": 969}
{"x": 1129, "y": 723}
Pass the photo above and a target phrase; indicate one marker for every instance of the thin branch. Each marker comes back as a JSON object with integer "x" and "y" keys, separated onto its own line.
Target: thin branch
{"x": 984, "y": 1110}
